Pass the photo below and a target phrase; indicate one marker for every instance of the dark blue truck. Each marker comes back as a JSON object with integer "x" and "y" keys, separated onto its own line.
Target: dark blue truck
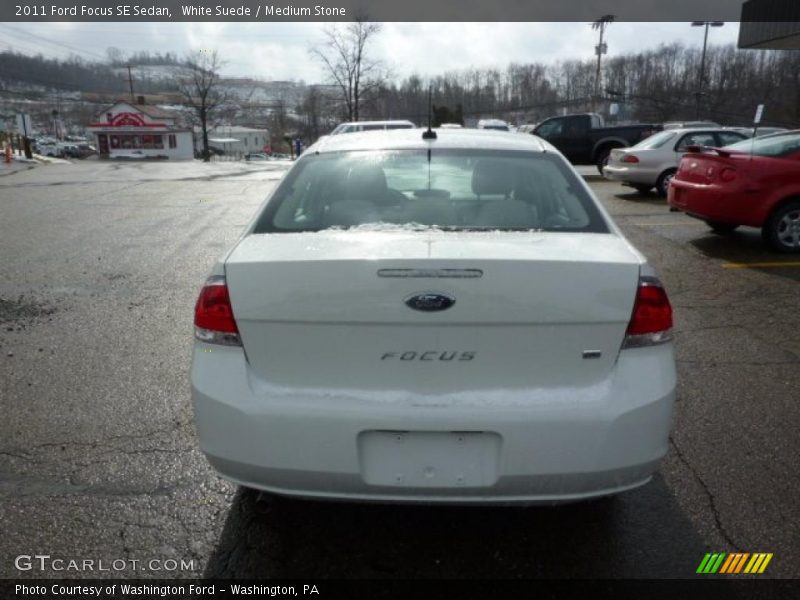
{"x": 584, "y": 139}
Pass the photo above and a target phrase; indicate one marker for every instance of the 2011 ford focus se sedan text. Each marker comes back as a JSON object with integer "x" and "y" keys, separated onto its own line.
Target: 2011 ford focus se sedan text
{"x": 441, "y": 316}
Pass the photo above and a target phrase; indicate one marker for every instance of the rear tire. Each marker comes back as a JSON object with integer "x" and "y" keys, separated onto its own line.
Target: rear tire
{"x": 782, "y": 229}
{"x": 721, "y": 228}
{"x": 662, "y": 185}
{"x": 602, "y": 158}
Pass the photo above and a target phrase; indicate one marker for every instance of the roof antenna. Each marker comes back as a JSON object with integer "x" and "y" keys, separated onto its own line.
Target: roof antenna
{"x": 430, "y": 134}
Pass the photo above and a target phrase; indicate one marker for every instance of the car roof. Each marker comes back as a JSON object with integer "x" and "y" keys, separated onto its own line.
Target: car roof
{"x": 711, "y": 128}
{"x": 689, "y": 124}
{"x": 450, "y": 139}
{"x": 780, "y": 133}
{"x": 395, "y": 122}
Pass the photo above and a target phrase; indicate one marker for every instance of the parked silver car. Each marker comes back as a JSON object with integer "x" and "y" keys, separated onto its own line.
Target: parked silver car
{"x": 654, "y": 161}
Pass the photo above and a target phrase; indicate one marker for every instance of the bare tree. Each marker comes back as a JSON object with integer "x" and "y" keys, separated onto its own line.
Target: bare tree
{"x": 344, "y": 54}
{"x": 115, "y": 56}
{"x": 201, "y": 91}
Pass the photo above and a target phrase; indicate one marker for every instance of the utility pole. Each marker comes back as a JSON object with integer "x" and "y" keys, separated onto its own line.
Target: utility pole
{"x": 702, "y": 75}
{"x": 57, "y": 120}
{"x": 599, "y": 50}
{"x": 130, "y": 84}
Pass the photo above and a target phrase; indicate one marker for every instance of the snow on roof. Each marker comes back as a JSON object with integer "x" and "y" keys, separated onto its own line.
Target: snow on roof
{"x": 400, "y": 139}
{"x": 150, "y": 110}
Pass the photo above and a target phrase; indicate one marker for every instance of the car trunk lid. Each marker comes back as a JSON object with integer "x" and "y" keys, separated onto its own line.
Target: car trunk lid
{"x": 705, "y": 166}
{"x": 531, "y": 309}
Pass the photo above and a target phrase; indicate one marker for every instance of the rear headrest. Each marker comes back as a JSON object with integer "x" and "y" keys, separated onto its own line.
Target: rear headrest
{"x": 366, "y": 183}
{"x": 492, "y": 176}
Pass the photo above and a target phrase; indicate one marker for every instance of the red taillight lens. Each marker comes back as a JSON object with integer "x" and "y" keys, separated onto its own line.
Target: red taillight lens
{"x": 630, "y": 158}
{"x": 651, "y": 321}
{"x": 727, "y": 174}
{"x": 213, "y": 314}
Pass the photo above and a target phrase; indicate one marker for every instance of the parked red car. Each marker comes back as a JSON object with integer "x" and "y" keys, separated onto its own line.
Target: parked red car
{"x": 754, "y": 182}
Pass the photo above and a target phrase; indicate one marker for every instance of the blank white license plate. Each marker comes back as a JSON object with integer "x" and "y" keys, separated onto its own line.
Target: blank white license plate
{"x": 429, "y": 459}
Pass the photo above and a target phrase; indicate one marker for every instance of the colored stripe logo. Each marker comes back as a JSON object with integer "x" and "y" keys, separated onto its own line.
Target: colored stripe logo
{"x": 734, "y": 563}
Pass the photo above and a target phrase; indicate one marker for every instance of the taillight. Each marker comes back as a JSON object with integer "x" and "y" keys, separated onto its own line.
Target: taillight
{"x": 213, "y": 315}
{"x": 727, "y": 174}
{"x": 630, "y": 158}
{"x": 651, "y": 321}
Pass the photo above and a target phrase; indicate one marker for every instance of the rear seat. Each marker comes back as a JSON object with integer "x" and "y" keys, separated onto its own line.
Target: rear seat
{"x": 492, "y": 177}
{"x": 366, "y": 198}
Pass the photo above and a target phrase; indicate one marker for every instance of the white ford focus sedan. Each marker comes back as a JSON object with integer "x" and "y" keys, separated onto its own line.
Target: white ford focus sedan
{"x": 419, "y": 318}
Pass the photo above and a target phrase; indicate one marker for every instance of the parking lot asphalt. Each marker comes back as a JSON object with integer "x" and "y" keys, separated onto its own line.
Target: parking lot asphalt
{"x": 101, "y": 265}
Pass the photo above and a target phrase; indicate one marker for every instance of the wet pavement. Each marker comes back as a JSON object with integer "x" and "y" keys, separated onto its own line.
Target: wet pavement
{"x": 101, "y": 265}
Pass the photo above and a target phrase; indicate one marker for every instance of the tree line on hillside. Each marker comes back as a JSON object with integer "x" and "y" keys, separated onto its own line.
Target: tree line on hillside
{"x": 117, "y": 58}
{"x": 73, "y": 74}
{"x": 655, "y": 85}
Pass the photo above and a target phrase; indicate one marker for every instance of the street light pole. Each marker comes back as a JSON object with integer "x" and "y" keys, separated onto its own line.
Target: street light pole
{"x": 702, "y": 75}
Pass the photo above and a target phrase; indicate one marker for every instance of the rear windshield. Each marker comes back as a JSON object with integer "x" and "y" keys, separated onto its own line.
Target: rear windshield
{"x": 447, "y": 189}
{"x": 776, "y": 145}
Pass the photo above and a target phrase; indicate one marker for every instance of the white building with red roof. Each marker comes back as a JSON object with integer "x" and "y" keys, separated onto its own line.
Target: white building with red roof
{"x": 127, "y": 130}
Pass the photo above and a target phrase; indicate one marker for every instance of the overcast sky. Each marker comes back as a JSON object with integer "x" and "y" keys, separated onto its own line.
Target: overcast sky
{"x": 279, "y": 51}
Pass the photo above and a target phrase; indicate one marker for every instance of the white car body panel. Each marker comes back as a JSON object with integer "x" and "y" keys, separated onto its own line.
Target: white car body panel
{"x": 518, "y": 393}
{"x": 560, "y": 284}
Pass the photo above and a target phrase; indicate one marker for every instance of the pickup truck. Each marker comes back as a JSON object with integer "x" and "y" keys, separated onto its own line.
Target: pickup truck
{"x": 583, "y": 138}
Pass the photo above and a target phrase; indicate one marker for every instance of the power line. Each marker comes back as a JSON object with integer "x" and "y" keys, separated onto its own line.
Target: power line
{"x": 19, "y": 33}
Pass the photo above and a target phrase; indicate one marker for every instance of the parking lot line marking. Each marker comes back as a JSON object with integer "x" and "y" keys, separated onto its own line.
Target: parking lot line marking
{"x": 762, "y": 265}
{"x": 672, "y": 223}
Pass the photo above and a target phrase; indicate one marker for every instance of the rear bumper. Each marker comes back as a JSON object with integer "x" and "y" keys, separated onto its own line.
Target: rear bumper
{"x": 627, "y": 174}
{"x": 556, "y": 445}
{"x": 712, "y": 203}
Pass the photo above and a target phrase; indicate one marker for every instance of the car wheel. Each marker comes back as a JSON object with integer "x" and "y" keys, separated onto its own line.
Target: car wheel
{"x": 643, "y": 189}
{"x": 721, "y": 228}
{"x": 662, "y": 185}
{"x": 782, "y": 229}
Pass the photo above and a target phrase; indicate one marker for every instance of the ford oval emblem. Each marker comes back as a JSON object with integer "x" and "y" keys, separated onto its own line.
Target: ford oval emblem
{"x": 430, "y": 301}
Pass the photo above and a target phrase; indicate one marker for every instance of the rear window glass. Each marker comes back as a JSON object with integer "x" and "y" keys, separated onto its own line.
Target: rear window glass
{"x": 776, "y": 145}
{"x": 699, "y": 138}
{"x": 655, "y": 141}
{"x": 448, "y": 189}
